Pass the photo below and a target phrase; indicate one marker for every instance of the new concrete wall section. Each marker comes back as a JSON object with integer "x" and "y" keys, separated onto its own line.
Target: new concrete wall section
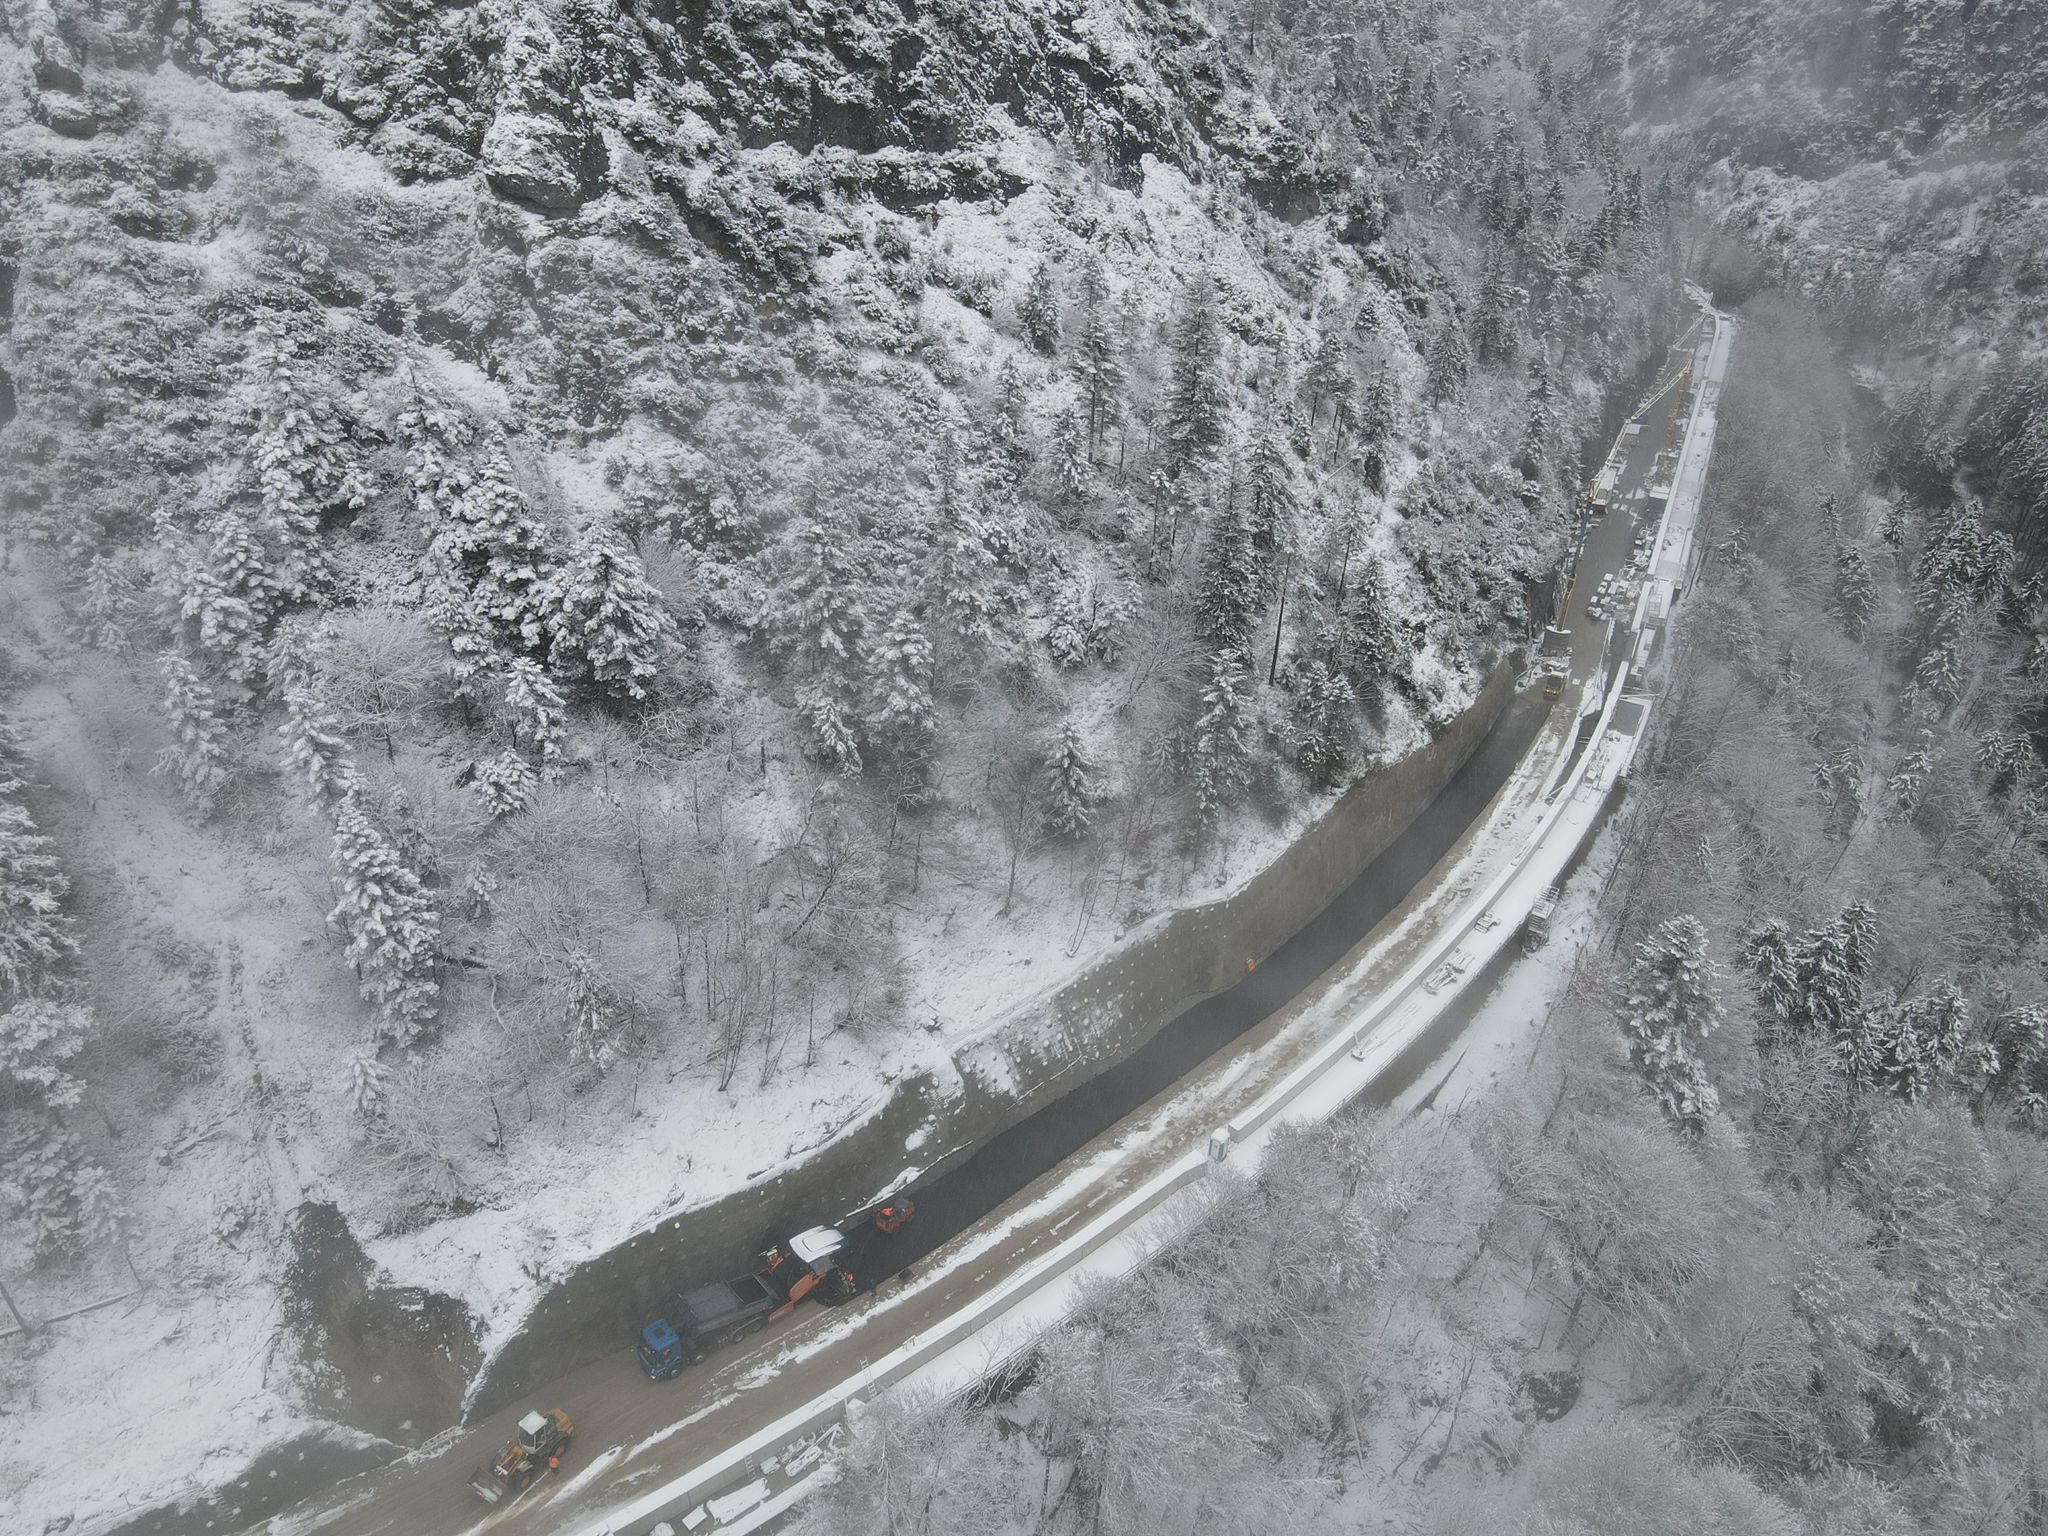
{"x": 1047, "y": 1047}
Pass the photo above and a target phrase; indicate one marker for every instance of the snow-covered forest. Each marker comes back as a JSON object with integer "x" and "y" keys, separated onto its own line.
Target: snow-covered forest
{"x": 585, "y": 588}
{"x": 1752, "y": 1237}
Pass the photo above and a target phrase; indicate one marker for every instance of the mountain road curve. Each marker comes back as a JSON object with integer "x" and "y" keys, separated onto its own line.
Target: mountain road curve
{"x": 979, "y": 1220}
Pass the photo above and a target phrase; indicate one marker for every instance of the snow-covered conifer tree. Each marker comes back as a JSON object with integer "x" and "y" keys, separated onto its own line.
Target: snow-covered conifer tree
{"x": 34, "y": 932}
{"x": 1540, "y": 433}
{"x": 1073, "y": 787}
{"x": 1110, "y": 606}
{"x": 505, "y": 783}
{"x": 388, "y": 919}
{"x": 1228, "y": 595}
{"x": 606, "y": 621}
{"x": 1269, "y": 483}
{"x": 1010, "y": 419}
{"x": 482, "y": 542}
{"x": 107, "y": 604}
{"x": 40, "y": 1040}
{"x": 1321, "y": 724}
{"x": 369, "y": 1082}
{"x": 961, "y": 586}
{"x": 1449, "y": 361}
{"x": 313, "y": 748}
{"x": 831, "y": 726}
{"x": 197, "y": 758}
{"x": 1671, "y": 1006}
{"x": 1376, "y": 429}
{"x": 1070, "y": 461}
{"x": 1906, "y": 786}
{"x": 217, "y": 623}
{"x": 1768, "y": 957}
{"x": 1101, "y": 363}
{"x": 1038, "y": 312}
{"x": 1493, "y": 315}
{"x": 1328, "y": 374}
{"x": 900, "y": 713}
{"x": 68, "y": 1205}
{"x": 454, "y": 613}
{"x": 1855, "y": 590}
{"x": 598, "y": 1017}
{"x": 1196, "y": 399}
{"x": 1066, "y": 634}
{"x": 536, "y": 713}
{"x": 1372, "y": 639}
{"x": 1220, "y": 748}
{"x": 302, "y": 464}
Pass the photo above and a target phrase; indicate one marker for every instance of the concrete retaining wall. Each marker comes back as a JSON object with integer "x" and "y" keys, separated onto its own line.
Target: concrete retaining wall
{"x": 1122, "y": 1001}
{"x": 1047, "y": 1047}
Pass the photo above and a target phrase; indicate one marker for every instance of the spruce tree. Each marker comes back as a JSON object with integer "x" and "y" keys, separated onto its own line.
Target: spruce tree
{"x": 902, "y": 719}
{"x": 1073, "y": 787}
{"x": 1227, "y": 597}
{"x": 35, "y": 934}
{"x": 242, "y": 566}
{"x": 536, "y": 714}
{"x": 1220, "y": 747}
{"x": 829, "y": 723}
{"x": 1070, "y": 462}
{"x": 107, "y": 605}
{"x": 1376, "y": 430}
{"x": 1671, "y": 1006}
{"x": 817, "y": 620}
{"x": 1009, "y": 421}
{"x": 1101, "y": 365}
{"x": 1066, "y": 634}
{"x": 40, "y": 1041}
{"x": 1038, "y": 312}
{"x": 962, "y": 587}
{"x": 388, "y": 920}
{"x": 606, "y": 622}
{"x": 506, "y": 784}
{"x": 314, "y": 750}
{"x": 197, "y": 758}
{"x": 1449, "y": 362}
{"x": 218, "y": 624}
{"x": 1372, "y": 640}
{"x": 1540, "y": 434}
{"x": 1269, "y": 483}
{"x": 454, "y": 613}
{"x": 1328, "y": 375}
{"x": 1321, "y": 721}
{"x": 1196, "y": 400}
{"x": 1493, "y": 316}
{"x": 368, "y": 1084}
{"x": 303, "y": 469}
{"x": 1768, "y": 957}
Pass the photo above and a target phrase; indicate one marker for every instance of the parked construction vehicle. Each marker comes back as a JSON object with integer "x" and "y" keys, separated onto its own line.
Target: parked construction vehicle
{"x": 537, "y": 1449}
{"x": 832, "y": 1263}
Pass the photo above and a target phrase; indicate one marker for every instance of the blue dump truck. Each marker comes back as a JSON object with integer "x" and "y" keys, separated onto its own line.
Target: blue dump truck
{"x": 832, "y": 1263}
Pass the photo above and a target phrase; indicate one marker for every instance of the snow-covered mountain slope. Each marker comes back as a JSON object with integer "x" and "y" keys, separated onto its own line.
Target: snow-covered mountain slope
{"x": 586, "y": 585}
